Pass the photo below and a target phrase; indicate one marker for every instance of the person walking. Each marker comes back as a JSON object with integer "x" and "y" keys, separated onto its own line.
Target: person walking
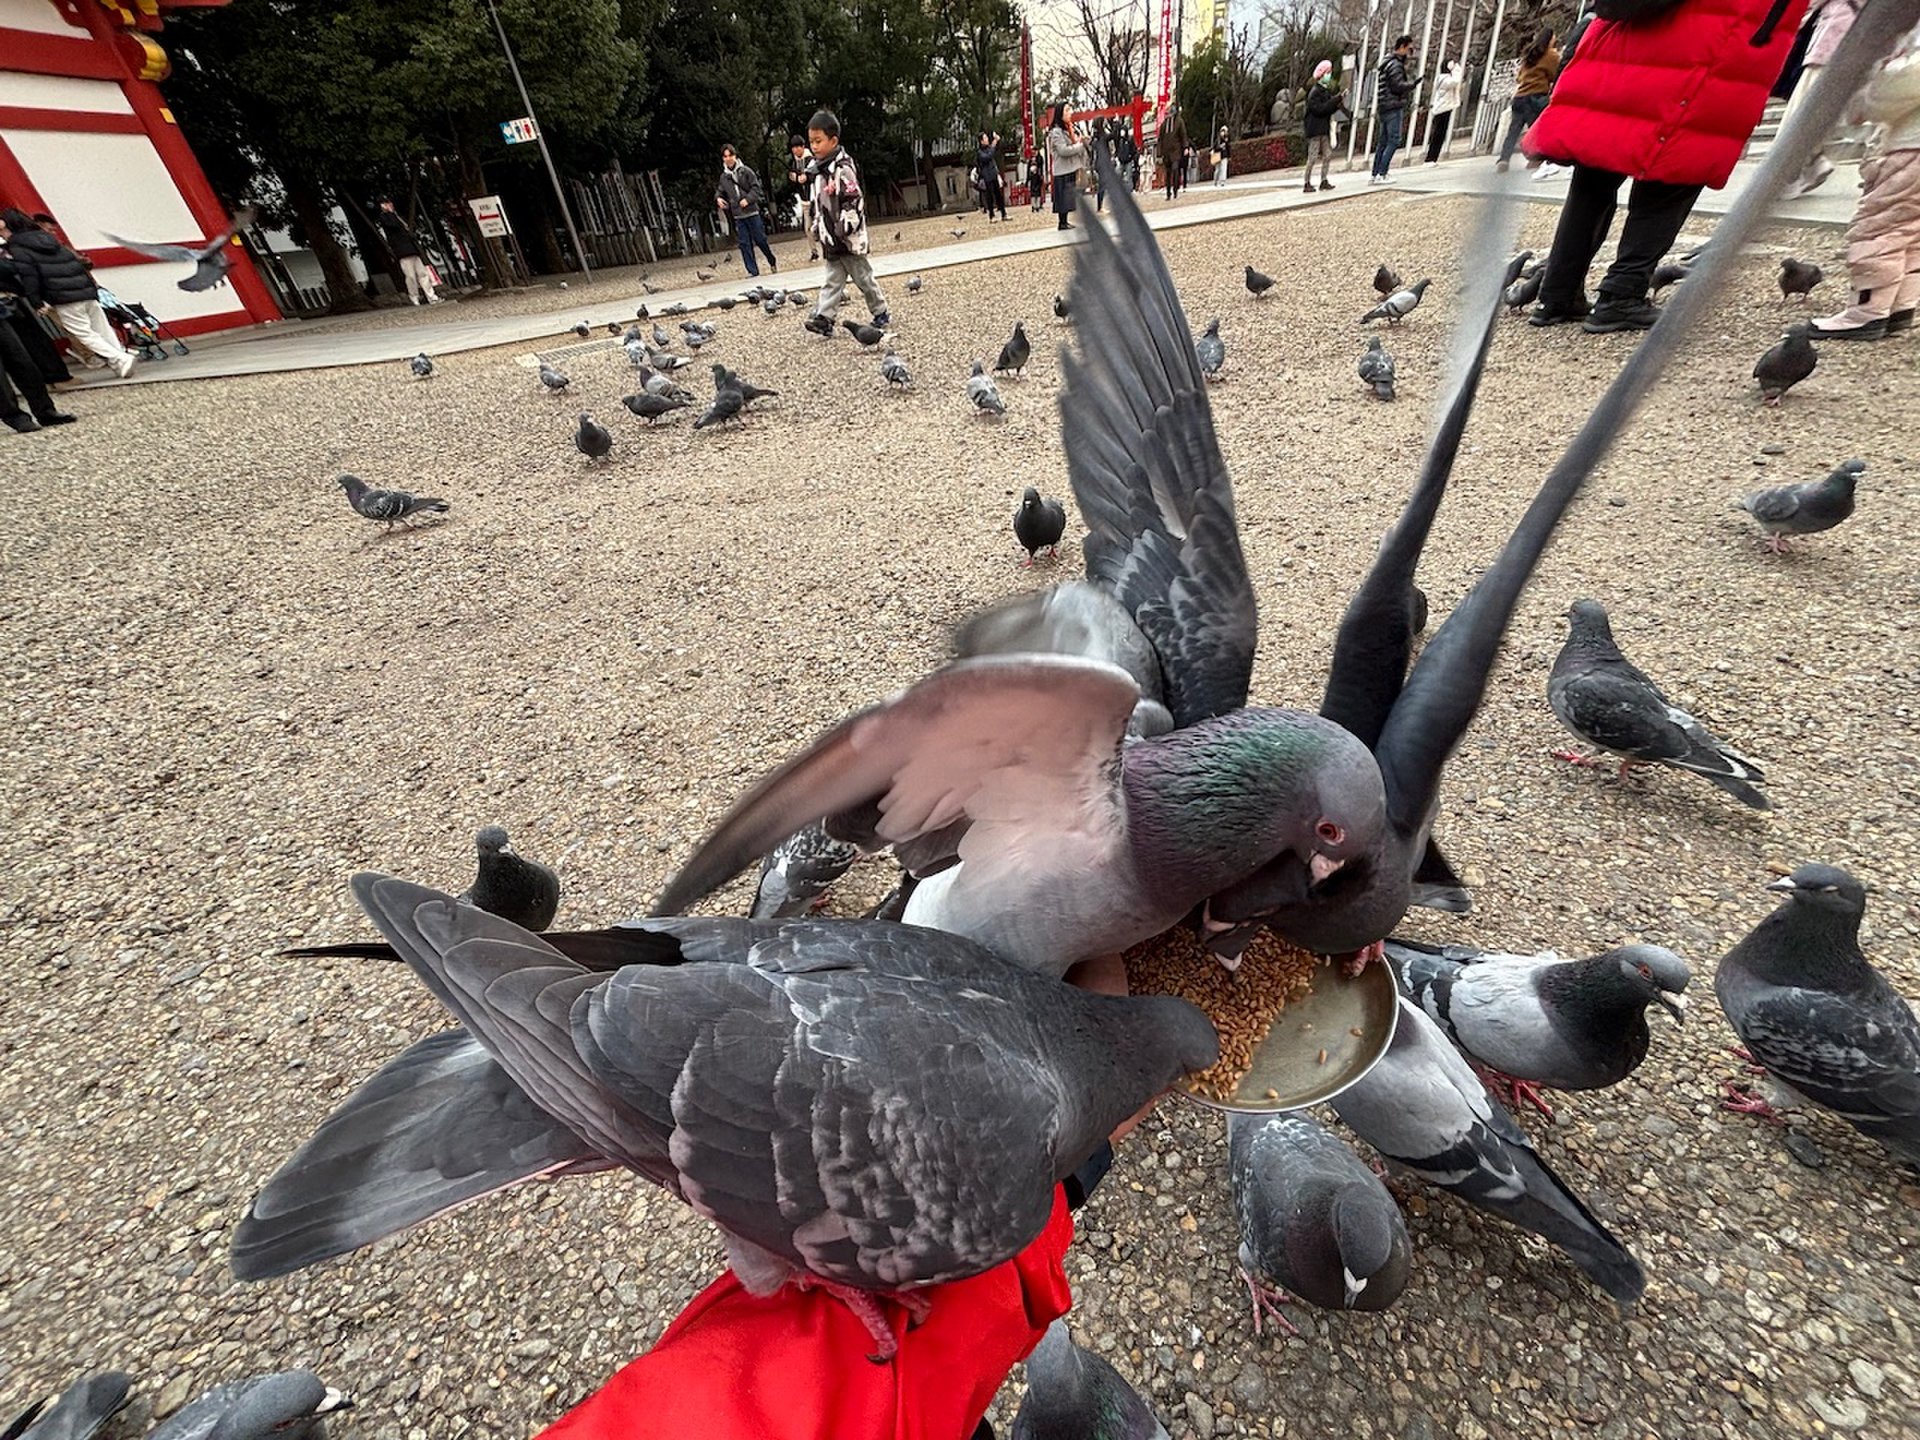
{"x": 1126, "y": 154}
{"x": 51, "y": 275}
{"x": 406, "y": 249}
{"x": 1539, "y": 65}
{"x": 840, "y": 223}
{"x": 738, "y": 197}
{"x": 800, "y": 176}
{"x": 1446, "y": 95}
{"x": 1169, "y": 145}
{"x": 986, "y": 164}
{"x": 1066, "y": 154}
{"x": 1325, "y": 99}
{"x": 17, "y": 314}
{"x": 1396, "y": 82}
{"x": 1222, "y": 143}
{"x": 1668, "y": 101}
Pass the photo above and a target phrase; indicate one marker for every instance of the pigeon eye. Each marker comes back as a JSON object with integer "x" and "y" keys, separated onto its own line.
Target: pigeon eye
{"x": 1330, "y": 832}
{"x": 1647, "y": 971}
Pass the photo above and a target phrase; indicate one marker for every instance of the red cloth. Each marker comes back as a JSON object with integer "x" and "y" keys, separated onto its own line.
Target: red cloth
{"x": 793, "y": 1366}
{"x": 1673, "y": 98}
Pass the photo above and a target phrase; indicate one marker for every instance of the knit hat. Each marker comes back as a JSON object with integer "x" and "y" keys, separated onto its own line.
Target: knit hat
{"x": 1324, "y": 68}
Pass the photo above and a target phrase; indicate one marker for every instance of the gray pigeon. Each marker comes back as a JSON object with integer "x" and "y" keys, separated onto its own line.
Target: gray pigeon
{"x": 914, "y": 284}
{"x": 958, "y": 232}
{"x": 1074, "y": 1394}
{"x": 395, "y": 507}
{"x": 290, "y": 1405}
{"x": 82, "y": 1410}
{"x": 769, "y": 306}
{"x": 982, "y": 393}
{"x": 868, "y": 335}
{"x": 1523, "y": 291}
{"x": 666, "y": 362}
{"x": 421, "y": 365}
{"x": 652, "y": 382}
{"x": 725, "y": 302}
{"x": 1797, "y": 277}
{"x": 1062, "y": 309}
{"x": 894, "y": 371}
{"x": 1536, "y": 1020}
{"x": 652, "y": 408}
{"x": 1806, "y": 508}
{"x": 554, "y": 380}
{"x": 592, "y": 438}
{"x": 1400, "y": 304}
{"x": 678, "y": 307}
{"x": 1211, "y": 350}
{"x": 872, "y": 1106}
{"x": 1315, "y": 1223}
{"x": 583, "y": 330}
{"x": 1376, "y": 368}
{"x": 725, "y": 379}
{"x": 1257, "y": 284}
{"x": 1785, "y": 365}
{"x": 1386, "y": 281}
{"x": 1424, "y": 1110}
{"x": 211, "y": 260}
{"x": 727, "y": 404}
{"x": 661, "y": 339}
{"x": 1822, "y": 1021}
{"x": 1038, "y": 524}
{"x": 795, "y": 877}
{"x": 1606, "y": 700}
{"x": 797, "y": 299}
{"x": 510, "y": 885}
{"x": 1015, "y": 353}
{"x": 1670, "y": 272}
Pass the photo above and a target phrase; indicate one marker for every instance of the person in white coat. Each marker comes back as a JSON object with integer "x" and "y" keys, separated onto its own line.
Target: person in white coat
{"x": 1446, "y": 97}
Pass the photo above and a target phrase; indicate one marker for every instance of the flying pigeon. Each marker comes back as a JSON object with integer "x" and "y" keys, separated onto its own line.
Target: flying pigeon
{"x": 1074, "y": 1394}
{"x": 868, "y": 335}
{"x": 1061, "y": 309}
{"x": 80, "y": 1412}
{"x": 1315, "y": 1223}
{"x": 592, "y": 438}
{"x": 421, "y": 365}
{"x": 1606, "y": 700}
{"x": 1258, "y": 284}
{"x": 1821, "y": 1020}
{"x": 728, "y": 402}
{"x": 1423, "y": 1109}
{"x": 1015, "y": 353}
{"x": 1798, "y": 278}
{"x": 1376, "y": 368}
{"x": 1385, "y": 282}
{"x": 1038, "y": 524}
{"x": 1806, "y": 508}
{"x": 982, "y": 393}
{"x": 914, "y": 282}
{"x": 555, "y": 382}
{"x": 291, "y": 1405}
{"x": 1211, "y": 350}
{"x": 510, "y": 885}
{"x": 1536, "y": 1020}
{"x": 582, "y": 330}
{"x": 894, "y": 371}
{"x": 1672, "y": 272}
{"x": 723, "y": 378}
{"x": 211, "y": 260}
{"x": 865, "y": 1106}
{"x": 1397, "y": 306}
{"x": 796, "y": 875}
{"x": 1785, "y": 365}
{"x": 652, "y": 408}
{"x": 395, "y": 507}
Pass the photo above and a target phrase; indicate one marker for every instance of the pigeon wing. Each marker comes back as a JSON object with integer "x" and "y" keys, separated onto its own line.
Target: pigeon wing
{"x": 1775, "y": 506}
{"x": 191, "y": 254}
{"x": 1858, "y": 1055}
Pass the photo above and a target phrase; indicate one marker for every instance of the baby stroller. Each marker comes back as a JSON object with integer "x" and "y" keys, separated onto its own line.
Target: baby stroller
{"x": 146, "y": 332}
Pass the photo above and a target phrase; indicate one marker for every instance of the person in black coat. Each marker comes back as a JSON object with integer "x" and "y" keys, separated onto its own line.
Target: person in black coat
{"x": 16, "y": 314}
{"x": 986, "y": 165}
{"x": 406, "y": 249}
{"x": 52, "y": 275}
{"x": 1397, "y": 82}
{"x": 1325, "y": 99}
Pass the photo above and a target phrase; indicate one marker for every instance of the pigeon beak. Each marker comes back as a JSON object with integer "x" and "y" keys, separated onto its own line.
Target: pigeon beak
{"x": 1354, "y": 1286}
{"x": 1675, "y": 1005}
{"x": 1321, "y": 866}
{"x": 1783, "y": 886}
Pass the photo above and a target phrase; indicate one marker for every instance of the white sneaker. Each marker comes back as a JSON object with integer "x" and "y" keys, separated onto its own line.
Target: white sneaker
{"x": 123, "y": 367}
{"x": 1548, "y": 170}
{"x": 1388, "y": 180}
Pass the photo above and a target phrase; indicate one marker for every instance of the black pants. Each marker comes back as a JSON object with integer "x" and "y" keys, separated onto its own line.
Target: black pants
{"x": 16, "y": 365}
{"x": 1655, "y": 213}
{"x": 1437, "y": 126}
{"x": 39, "y": 346}
{"x": 993, "y": 195}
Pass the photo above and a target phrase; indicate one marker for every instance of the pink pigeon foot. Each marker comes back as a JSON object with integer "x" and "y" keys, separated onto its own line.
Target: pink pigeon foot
{"x": 1742, "y": 1100}
{"x": 866, "y": 1307}
{"x": 1513, "y": 1093}
{"x": 1573, "y": 757}
{"x": 1267, "y": 1301}
{"x": 1356, "y": 962}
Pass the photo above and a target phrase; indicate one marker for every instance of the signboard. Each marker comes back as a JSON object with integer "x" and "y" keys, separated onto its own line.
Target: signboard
{"x": 519, "y": 132}
{"x": 490, "y": 215}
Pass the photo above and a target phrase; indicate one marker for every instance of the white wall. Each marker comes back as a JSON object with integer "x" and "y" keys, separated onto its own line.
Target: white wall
{"x": 156, "y": 286}
{"x": 98, "y": 183}
{"x": 63, "y": 92}
{"x": 37, "y": 15}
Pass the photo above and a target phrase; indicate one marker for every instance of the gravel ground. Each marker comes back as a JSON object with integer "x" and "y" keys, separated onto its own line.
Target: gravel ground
{"x": 226, "y": 693}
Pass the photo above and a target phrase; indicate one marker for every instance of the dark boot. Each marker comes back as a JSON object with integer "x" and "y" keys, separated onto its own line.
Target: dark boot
{"x": 1620, "y": 312}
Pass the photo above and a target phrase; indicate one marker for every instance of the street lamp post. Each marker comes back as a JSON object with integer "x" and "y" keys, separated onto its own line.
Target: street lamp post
{"x": 540, "y": 138}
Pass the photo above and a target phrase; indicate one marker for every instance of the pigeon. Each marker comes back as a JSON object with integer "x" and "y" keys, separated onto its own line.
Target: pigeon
{"x": 868, "y": 1107}
{"x": 982, "y": 393}
{"x": 1524, "y": 291}
{"x": 667, "y": 362}
{"x": 651, "y": 289}
{"x": 728, "y": 402}
{"x": 1376, "y": 368}
{"x": 1536, "y": 1020}
{"x": 769, "y": 306}
{"x": 723, "y": 378}
{"x": 1606, "y": 700}
{"x": 582, "y": 330}
{"x": 896, "y": 237}
{"x": 553, "y": 379}
{"x": 421, "y": 365}
{"x": 1385, "y": 282}
{"x": 958, "y": 232}
{"x": 796, "y": 875}
{"x": 894, "y": 371}
{"x": 1074, "y": 1394}
{"x": 1798, "y": 278}
{"x": 1061, "y": 309}
{"x": 652, "y": 382}
{"x": 613, "y": 327}
{"x": 1397, "y": 306}
{"x": 698, "y": 338}
{"x": 756, "y": 295}
{"x": 1785, "y": 365}
{"x": 290, "y": 1405}
{"x": 1015, "y": 353}
{"x": 1315, "y": 1223}
{"x": 704, "y": 275}
{"x": 725, "y": 302}
{"x": 868, "y": 335}
{"x": 1423, "y": 1109}
{"x": 1819, "y": 1018}
{"x": 914, "y": 282}
{"x": 797, "y": 299}
{"x": 591, "y": 438}
{"x": 652, "y": 408}
{"x": 211, "y": 259}
{"x": 1671, "y": 272}
{"x": 510, "y": 885}
{"x": 662, "y": 339}
{"x": 1806, "y": 508}
{"x": 82, "y": 1410}
{"x": 1038, "y": 524}
{"x": 1258, "y": 284}
{"x": 395, "y": 507}
{"x": 678, "y": 307}
{"x": 1211, "y": 350}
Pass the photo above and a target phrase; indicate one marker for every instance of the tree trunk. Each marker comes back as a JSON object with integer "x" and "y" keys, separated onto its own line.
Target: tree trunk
{"x": 310, "y": 209}
{"x": 496, "y": 272}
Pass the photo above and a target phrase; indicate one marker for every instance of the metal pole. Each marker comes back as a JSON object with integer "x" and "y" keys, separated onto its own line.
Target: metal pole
{"x": 540, "y": 138}
{"x": 1357, "y": 87}
{"x": 1466, "y": 79}
{"x": 1493, "y": 49}
{"x": 1426, "y": 38}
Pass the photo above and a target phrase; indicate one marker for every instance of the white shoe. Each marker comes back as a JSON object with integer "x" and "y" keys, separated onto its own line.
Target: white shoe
{"x": 1547, "y": 170}
{"x": 123, "y": 367}
{"x": 1388, "y": 180}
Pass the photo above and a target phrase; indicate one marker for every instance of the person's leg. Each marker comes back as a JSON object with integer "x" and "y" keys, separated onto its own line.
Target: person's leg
{"x": 77, "y": 319}
{"x": 1880, "y": 245}
{"x": 1656, "y": 211}
{"x": 833, "y": 287}
{"x": 426, "y": 279}
{"x": 1518, "y": 119}
{"x": 1387, "y": 143}
{"x": 1437, "y": 135}
{"x": 743, "y": 237}
{"x": 32, "y": 335}
{"x": 108, "y": 344}
{"x": 410, "y": 277}
{"x": 1592, "y": 197}
{"x": 16, "y": 364}
{"x": 861, "y": 269}
{"x": 766, "y": 247}
{"x": 1063, "y": 199}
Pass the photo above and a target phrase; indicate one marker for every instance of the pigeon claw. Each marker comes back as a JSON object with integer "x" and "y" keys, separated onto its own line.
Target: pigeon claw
{"x": 1359, "y": 959}
{"x": 1514, "y": 1092}
{"x": 1741, "y": 1099}
{"x": 1267, "y": 1300}
{"x": 1573, "y": 757}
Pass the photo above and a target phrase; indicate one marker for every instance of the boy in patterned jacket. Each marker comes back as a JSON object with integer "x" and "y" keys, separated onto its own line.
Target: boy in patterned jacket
{"x": 839, "y": 225}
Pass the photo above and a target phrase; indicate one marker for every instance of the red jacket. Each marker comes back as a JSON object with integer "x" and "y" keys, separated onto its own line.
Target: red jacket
{"x": 1671, "y": 98}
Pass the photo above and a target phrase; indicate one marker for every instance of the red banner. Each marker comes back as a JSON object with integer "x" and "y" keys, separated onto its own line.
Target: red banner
{"x": 1166, "y": 56}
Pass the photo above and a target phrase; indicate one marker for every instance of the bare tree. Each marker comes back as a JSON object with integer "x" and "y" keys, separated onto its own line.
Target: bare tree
{"x": 1119, "y": 44}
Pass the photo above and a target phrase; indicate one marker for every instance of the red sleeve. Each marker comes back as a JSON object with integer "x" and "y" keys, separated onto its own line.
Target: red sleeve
{"x": 793, "y": 1366}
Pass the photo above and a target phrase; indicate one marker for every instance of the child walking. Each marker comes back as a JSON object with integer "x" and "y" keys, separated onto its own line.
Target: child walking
{"x": 840, "y": 225}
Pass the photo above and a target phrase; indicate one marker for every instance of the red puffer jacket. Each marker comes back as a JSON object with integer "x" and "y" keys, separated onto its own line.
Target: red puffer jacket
{"x": 1670, "y": 98}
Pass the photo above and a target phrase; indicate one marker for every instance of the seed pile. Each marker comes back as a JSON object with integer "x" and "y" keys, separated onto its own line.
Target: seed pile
{"x": 1243, "y": 1003}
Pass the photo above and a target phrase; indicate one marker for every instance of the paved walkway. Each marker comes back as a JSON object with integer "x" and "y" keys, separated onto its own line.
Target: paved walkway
{"x": 265, "y": 349}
